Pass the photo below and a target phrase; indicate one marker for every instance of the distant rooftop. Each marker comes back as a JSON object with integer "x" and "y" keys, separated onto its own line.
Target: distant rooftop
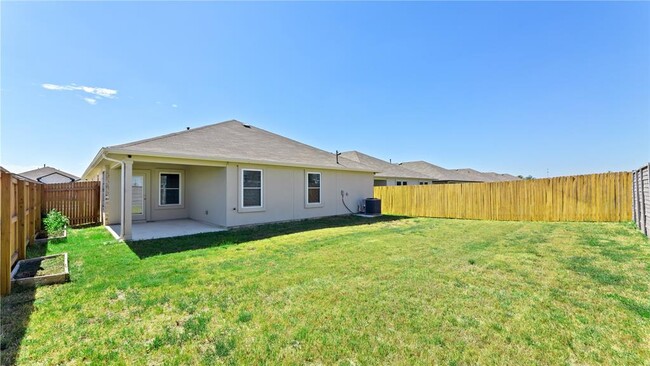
{"x": 48, "y": 174}
{"x": 383, "y": 169}
{"x": 438, "y": 173}
{"x": 456, "y": 175}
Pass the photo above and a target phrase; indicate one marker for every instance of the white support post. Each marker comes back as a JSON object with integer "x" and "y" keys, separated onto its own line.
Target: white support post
{"x": 127, "y": 217}
{"x": 105, "y": 193}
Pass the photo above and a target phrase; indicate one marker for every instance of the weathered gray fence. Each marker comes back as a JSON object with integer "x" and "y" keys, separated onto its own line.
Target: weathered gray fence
{"x": 641, "y": 198}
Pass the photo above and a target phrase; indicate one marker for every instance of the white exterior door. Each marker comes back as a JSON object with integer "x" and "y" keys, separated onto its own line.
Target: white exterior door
{"x": 139, "y": 189}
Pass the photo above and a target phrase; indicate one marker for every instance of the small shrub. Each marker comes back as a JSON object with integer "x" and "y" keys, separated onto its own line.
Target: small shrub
{"x": 55, "y": 222}
{"x": 472, "y": 262}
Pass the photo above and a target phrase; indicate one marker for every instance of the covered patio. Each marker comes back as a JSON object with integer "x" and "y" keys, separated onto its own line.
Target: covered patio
{"x": 145, "y": 199}
{"x": 164, "y": 229}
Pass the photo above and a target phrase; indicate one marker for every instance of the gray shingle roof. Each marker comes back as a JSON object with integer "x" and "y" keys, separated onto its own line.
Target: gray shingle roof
{"x": 499, "y": 177}
{"x": 35, "y": 174}
{"x": 437, "y": 172}
{"x": 234, "y": 141}
{"x": 383, "y": 168}
{"x": 486, "y": 177}
{"x": 456, "y": 175}
{"x": 473, "y": 175}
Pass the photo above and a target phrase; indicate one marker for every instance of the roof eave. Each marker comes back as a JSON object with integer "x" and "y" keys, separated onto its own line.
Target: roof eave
{"x": 225, "y": 159}
{"x": 379, "y": 175}
{"x": 99, "y": 157}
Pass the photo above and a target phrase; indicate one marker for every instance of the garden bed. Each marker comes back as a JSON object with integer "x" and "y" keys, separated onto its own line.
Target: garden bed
{"x": 40, "y": 271}
{"x": 43, "y": 237}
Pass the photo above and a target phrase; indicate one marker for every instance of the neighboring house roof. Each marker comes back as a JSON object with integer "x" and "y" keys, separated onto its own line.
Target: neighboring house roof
{"x": 456, "y": 175}
{"x": 47, "y": 174}
{"x": 486, "y": 177}
{"x": 234, "y": 141}
{"x": 473, "y": 175}
{"x": 498, "y": 177}
{"x": 383, "y": 169}
{"x": 438, "y": 173}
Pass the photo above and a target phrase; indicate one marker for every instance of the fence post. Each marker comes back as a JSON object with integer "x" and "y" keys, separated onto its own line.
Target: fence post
{"x": 20, "y": 212}
{"x": 97, "y": 203}
{"x": 639, "y": 191}
{"x": 5, "y": 225}
{"x": 32, "y": 214}
{"x": 643, "y": 202}
{"x": 634, "y": 217}
{"x": 639, "y": 188}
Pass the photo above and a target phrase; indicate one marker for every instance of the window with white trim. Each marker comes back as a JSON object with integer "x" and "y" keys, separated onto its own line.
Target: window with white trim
{"x": 170, "y": 189}
{"x": 251, "y": 188}
{"x": 313, "y": 188}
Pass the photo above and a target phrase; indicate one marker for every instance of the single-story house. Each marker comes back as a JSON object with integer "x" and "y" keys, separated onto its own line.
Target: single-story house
{"x": 485, "y": 177}
{"x": 467, "y": 175}
{"x": 440, "y": 174}
{"x": 387, "y": 173}
{"x": 226, "y": 174}
{"x": 49, "y": 175}
{"x": 499, "y": 177}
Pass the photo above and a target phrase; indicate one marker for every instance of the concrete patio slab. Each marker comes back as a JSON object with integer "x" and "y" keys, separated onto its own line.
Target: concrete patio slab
{"x": 165, "y": 229}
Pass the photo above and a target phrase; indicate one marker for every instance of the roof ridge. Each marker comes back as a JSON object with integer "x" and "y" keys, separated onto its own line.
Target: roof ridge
{"x": 215, "y": 124}
{"x": 172, "y": 134}
{"x": 49, "y": 169}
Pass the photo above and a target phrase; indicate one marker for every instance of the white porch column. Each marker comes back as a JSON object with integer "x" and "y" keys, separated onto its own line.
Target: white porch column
{"x": 105, "y": 193}
{"x": 127, "y": 196}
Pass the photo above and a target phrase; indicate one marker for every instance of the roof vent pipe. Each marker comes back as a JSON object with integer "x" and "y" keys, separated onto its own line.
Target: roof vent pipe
{"x": 337, "y": 156}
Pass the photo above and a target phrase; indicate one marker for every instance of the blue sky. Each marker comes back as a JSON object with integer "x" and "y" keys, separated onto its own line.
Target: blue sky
{"x": 510, "y": 87}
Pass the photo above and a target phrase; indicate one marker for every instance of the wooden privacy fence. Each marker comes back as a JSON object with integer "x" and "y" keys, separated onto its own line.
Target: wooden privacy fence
{"x": 79, "y": 201}
{"x": 595, "y": 197}
{"x": 641, "y": 198}
{"x": 20, "y": 220}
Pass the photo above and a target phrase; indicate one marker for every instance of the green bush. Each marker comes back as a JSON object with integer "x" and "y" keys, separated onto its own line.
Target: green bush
{"x": 55, "y": 222}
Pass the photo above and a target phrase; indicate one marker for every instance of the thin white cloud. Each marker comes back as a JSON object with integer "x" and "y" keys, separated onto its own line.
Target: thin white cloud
{"x": 174, "y": 106}
{"x": 98, "y": 93}
{"x": 56, "y": 87}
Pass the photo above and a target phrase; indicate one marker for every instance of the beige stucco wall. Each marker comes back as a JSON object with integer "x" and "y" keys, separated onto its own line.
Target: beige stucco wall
{"x": 115, "y": 194}
{"x": 154, "y": 211}
{"x": 285, "y": 192}
{"x": 206, "y": 192}
{"x": 217, "y": 191}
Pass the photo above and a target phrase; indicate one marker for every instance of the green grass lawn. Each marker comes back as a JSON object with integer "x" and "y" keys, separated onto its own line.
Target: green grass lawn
{"x": 342, "y": 291}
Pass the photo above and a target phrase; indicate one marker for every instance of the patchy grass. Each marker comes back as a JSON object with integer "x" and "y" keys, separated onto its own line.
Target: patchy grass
{"x": 341, "y": 291}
